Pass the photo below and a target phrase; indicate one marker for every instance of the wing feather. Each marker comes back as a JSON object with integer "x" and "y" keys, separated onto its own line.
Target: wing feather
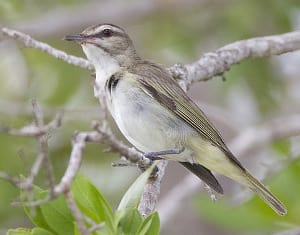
{"x": 157, "y": 83}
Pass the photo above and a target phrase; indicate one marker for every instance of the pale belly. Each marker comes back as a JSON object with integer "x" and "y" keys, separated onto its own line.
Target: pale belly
{"x": 147, "y": 125}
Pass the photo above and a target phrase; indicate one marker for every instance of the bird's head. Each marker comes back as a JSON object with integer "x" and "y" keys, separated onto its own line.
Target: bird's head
{"x": 106, "y": 40}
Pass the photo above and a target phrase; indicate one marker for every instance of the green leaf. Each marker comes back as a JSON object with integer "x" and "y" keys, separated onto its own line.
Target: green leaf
{"x": 58, "y": 216}
{"x": 133, "y": 195}
{"x": 27, "y": 231}
{"x": 130, "y": 222}
{"x": 91, "y": 202}
{"x": 53, "y": 216}
{"x": 150, "y": 226}
{"x": 34, "y": 213}
{"x": 41, "y": 231}
{"x": 19, "y": 231}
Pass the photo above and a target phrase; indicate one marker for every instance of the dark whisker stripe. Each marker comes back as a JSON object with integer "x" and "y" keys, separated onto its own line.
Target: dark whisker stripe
{"x": 112, "y": 83}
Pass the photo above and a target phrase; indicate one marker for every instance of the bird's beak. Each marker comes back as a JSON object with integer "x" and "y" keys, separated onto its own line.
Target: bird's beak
{"x": 75, "y": 38}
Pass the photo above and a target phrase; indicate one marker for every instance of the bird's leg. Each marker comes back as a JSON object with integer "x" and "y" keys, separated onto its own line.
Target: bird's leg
{"x": 153, "y": 156}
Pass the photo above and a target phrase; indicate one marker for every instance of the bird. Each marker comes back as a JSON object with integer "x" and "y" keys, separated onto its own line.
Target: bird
{"x": 155, "y": 114}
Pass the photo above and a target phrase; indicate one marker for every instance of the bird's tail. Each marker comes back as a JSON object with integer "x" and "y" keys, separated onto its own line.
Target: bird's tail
{"x": 225, "y": 163}
{"x": 265, "y": 194}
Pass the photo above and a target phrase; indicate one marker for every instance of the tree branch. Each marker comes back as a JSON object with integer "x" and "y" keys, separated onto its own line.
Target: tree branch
{"x": 30, "y": 42}
{"x": 216, "y": 63}
{"x": 209, "y": 64}
{"x": 152, "y": 190}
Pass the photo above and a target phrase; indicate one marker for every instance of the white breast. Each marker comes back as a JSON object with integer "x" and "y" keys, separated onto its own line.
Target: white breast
{"x": 145, "y": 123}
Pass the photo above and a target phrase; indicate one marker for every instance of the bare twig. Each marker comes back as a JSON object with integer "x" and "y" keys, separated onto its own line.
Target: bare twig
{"x": 30, "y": 42}
{"x": 79, "y": 141}
{"x": 12, "y": 179}
{"x": 33, "y": 130}
{"x": 76, "y": 213}
{"x": 96, "y": 227}
{"x": 152, "y": 190}
{"x": 40, "y": 131}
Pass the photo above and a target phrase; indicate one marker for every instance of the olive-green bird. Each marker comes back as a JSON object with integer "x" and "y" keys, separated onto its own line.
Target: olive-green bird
{"x": 156, "y": 115}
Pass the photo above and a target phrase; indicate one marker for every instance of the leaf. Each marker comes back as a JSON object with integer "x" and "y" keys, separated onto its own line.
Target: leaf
{"x": 91, "y": 202}
{"x": 150, "y": 226}
{"x": 19, "y": 231}
{"x": 34, "y": 213}
{"x": 41, "y": 231}
{"x": 58, "y": 216}
{"x": 130, "y": 222}
{"x": 133, "y": 195}
{"x": 27, "y": 231}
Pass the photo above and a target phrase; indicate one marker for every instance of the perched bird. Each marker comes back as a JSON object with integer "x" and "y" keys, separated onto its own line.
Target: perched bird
{"x": 156, "y": 115}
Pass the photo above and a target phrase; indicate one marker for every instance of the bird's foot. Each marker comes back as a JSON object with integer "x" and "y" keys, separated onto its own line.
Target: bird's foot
{"x": 153, "y": 156}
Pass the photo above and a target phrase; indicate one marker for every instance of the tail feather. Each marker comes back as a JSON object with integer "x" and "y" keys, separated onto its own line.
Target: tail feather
{"x": 265, "y": 194}
{"x": 223, "y": 162}
{"x": 205, "y": 175}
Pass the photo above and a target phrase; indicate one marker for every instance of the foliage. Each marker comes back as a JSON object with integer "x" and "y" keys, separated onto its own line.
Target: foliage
{"x": 55, "y": 218}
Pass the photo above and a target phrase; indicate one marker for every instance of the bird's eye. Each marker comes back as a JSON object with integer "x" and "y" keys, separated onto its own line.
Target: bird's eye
{"x": 106, "y": 32}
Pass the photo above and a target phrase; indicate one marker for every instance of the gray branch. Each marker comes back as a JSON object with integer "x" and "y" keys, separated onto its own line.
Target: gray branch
{"x": 216, "y": 63}
{"x": 30, "y": 42}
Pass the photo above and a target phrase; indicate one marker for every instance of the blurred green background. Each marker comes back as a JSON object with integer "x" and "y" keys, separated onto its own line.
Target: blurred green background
{"x": 168, "y": 32}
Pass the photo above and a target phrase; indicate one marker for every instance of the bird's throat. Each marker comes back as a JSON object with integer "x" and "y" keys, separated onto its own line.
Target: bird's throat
{"x": 105, "y": 65}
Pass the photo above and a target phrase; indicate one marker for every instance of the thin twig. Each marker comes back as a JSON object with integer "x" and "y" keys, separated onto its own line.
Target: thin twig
{"x": 96, "y": 227}
{"x": 12, "y": 179}
{"x": 76, "y": 213}
{"x": 30, "y": 42}
{"x": 152, "y": 190}
{"x": 40, "y": 131}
